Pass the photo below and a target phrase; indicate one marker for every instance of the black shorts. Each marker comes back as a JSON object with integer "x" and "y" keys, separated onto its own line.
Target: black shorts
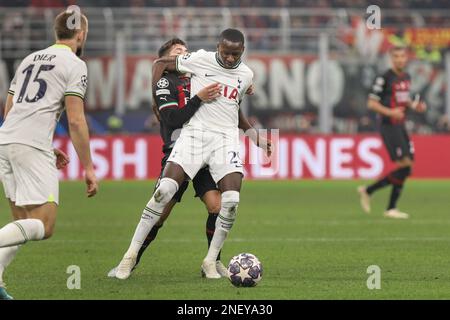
{"x": 397, "y": 142}
{"x": 202, "y": 182}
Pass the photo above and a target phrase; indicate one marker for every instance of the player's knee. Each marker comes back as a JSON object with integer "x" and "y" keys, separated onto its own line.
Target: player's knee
{"x": 165, "y": 191}
{"x": 212, "y": 202}
{"x": 49, "y": 229}
{"x": 230, "y": 202}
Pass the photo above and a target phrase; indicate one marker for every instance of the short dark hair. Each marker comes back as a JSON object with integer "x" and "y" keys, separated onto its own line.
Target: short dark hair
{"x": 62, "y": 29}
{"x": 232, "y": 35}
{"x": 169, "y": 44}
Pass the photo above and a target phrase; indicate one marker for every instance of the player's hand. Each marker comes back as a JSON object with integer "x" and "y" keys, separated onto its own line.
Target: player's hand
{"x": 265, "y": 144}
{"x": 251, "y": 90}
{"x": 62, "y": 159}
{"x": 210, "y": 92}
{"x": 91, "y": 183}
{"x": 156, "y": 111}
{"x": 397, "y": 113}
{"x": 421, "y": 107}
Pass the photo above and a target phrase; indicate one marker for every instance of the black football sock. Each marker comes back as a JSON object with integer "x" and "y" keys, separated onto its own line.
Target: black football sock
{"x": 395, "y": 194}
{"x": 383, "y": 182}
{"x": 150, "y": 237}
{"x": 398, "y": 179}
{"x": 210, "y": 228}
{"x": 396, "y": 176}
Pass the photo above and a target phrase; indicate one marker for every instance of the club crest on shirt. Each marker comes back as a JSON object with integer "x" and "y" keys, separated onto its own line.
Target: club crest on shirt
{"x": 162, "y": 83}
{"x": 84, "y": 81}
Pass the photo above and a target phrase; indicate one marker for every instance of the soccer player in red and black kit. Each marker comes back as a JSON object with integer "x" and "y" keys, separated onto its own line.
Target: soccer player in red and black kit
{"x": 173, "y": 108}
{"x": 390, "y": 98}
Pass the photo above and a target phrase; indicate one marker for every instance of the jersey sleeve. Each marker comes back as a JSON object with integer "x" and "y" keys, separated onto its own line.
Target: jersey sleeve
{"x": 166, "y": 94}
{"x": 378, "y": 88}
{"x": 12, "y": 86}
{"x": 190, "y": 62}
{"x": 77, "y": 81}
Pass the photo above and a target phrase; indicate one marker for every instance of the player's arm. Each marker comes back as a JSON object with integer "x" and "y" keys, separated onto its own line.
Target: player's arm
{"x": 160, "y": 65}
{"x": 8, "y": 104}
{"x": 78, "y": 128}
{"x": 10, "y": 97}
{"x": 253, "y": 134}
{"x": 79, "y": 134}
{"x": 417, "y": 104}
{"x": 169, "y": 109}
{"x": 374, "y": 104}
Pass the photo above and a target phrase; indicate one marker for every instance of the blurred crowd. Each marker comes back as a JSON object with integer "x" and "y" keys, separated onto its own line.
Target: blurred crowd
{"x": 417, "y": 4}
{"x": 22, "y": 32}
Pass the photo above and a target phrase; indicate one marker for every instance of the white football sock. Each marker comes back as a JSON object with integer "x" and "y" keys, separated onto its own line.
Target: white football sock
{"x": 224, "y": 223}
{"x": 152, "y": 212}
{"x": 21, "y": 231}
{"x": 6, "y": 256}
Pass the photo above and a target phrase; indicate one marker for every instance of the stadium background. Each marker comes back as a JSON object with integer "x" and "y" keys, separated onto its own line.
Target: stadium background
{"x": 311, "y": 236}
{"x": 289, "y": 43}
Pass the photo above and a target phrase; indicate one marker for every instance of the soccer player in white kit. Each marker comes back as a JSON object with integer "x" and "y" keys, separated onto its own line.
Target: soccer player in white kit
{"x": 210, "y": 137}
{"x": 45, "y": 83}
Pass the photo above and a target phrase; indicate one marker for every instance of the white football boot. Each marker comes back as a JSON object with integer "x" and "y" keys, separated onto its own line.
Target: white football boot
{"x": 209, "y": 270}
{"x": 221, "y": 269}
{"x": 112, "y": 272}
{"x": 396, "y": 214}
{"x": 364, "y": 198}
{"x": 126, "y": 266}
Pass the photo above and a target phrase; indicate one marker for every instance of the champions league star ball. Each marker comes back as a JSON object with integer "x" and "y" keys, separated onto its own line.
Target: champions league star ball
{"x": 245, "y": 270}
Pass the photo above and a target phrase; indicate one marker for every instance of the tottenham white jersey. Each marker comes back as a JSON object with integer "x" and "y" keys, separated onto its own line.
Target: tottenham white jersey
{"x": 39, "y": 86}
{"x": 220, "y": 115}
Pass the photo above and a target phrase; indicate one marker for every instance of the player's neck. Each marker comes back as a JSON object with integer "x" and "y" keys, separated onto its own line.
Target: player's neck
{"x": 397, "y": 71}
{"x": 69, "y": 43}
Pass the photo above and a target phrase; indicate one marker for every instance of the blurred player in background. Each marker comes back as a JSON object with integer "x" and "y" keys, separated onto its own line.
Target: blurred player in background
{"x": 44, "y": 83}
{"x": 390, "y": 98}
{"x": 209, "y": 138}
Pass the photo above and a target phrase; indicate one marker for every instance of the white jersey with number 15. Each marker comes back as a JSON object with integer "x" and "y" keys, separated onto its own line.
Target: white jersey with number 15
{"x": 219, "y": 115}
{"x": 41, "y": 82}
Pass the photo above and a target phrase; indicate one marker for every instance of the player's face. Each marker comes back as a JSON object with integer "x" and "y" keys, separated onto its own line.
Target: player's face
{"x": 230, "y": 52}
{"x": 177, "y": 49}
{"x": 399, "y": 59}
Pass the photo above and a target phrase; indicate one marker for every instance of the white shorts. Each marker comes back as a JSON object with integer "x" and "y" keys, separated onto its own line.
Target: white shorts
{"x": 29, "y": 175}
{"x": 197, "y": 148}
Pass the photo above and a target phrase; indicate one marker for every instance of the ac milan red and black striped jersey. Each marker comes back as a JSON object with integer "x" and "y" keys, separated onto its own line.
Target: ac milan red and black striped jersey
{"x": 392, "y": 90}
{"x": 172, "y": 93}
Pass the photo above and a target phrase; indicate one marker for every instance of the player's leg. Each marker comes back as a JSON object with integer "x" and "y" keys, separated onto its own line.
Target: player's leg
{"x": 206, "y": 189}
{"x": 36, "y": 182}
{"x": 398, "y": 178}
{"x": 181, "y": 165}
{"x": 8, "y": 254}
{"x": 150, "y": 237}
{"x": 230, "y": 186}
{"x": 166, "y": 212}
{"x": 391, "y": 139}
{"x": 173, "y": 177}
{"x": 212, "y": 199}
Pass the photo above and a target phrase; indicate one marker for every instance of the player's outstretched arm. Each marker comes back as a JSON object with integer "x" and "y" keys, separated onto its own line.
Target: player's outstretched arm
{"x": 79, "y": 135}
{"x": 375, "y": 105}
{"x": 8, "y": 105}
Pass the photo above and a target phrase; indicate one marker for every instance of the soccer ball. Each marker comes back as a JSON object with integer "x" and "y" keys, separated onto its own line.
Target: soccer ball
{"x": 245, "y": 270}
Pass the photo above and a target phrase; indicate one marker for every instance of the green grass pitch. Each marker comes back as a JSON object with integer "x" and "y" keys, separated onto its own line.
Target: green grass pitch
{"x": 311, "y": 237}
